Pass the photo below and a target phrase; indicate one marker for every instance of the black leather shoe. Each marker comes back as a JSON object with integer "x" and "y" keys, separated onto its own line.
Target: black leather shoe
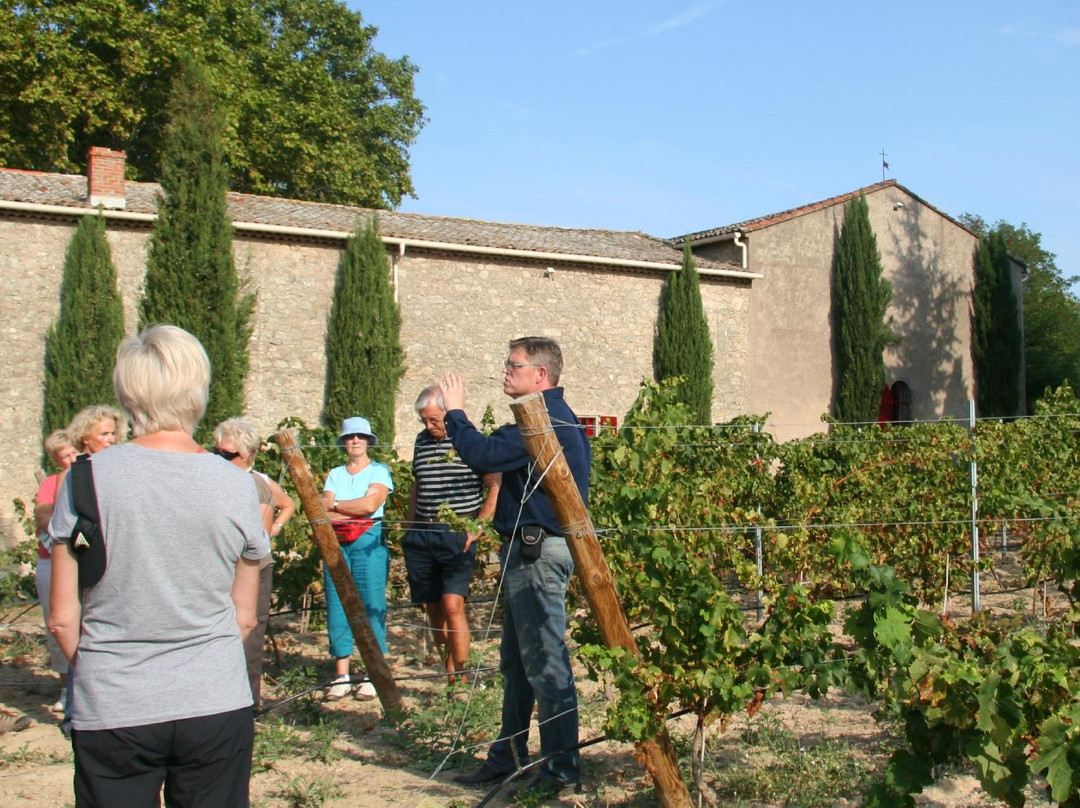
{"x": 481, "y": 776}
{"x": 544, "y": 788}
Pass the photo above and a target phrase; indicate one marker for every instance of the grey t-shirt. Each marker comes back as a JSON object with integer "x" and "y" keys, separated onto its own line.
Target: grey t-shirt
{"x": 159, "y": 635}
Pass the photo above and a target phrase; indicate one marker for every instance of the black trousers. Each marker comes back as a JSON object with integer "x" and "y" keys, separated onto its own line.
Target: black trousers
{"x": 202, "y": 762}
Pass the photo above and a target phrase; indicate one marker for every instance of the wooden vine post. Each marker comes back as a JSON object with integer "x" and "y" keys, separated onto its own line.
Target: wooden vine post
{"x": 326, "y": 540}
{"x": 530, "y": 413}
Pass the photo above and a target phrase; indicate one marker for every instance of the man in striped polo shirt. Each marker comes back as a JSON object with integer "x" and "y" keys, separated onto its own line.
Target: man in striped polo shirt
{"x": 439, "y": 561}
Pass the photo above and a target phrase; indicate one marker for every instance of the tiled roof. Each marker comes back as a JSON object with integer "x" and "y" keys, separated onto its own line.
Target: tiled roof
{"x": 750, "y": 225}
{"x": 70, "y": 190}
{"x": 760, "y": 222}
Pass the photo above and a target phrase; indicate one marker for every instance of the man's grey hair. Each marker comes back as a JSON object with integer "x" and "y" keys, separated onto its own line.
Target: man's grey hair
{"x": 430, "y": 394}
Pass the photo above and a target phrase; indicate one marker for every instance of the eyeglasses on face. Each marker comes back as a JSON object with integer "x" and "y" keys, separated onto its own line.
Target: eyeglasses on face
{"x": 519, "y": 365}
{"x": 225, "y": 453}
{"x": 353, "y": 436}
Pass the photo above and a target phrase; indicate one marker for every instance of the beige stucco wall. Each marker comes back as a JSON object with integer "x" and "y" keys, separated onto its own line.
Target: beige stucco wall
{"x": 928, "y": 260}
{"x": 458, "y": 312}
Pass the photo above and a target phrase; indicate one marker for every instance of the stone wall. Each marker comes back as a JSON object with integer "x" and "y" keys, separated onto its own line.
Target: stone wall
{"x": 458, "y": 313}
{"x": 31, "y": 262}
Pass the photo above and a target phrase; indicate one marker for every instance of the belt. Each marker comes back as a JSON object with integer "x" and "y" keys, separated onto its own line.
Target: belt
{"x": 432, "y": 520}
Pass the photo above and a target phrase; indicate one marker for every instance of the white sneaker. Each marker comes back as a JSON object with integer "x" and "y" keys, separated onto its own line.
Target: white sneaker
{"x": 61, "y": 703}
{"x": 340, "y": 689}
{"x": 366, "y": 692}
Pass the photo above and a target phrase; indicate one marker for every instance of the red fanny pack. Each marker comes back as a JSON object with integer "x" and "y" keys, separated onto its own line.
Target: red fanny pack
{"x": 349, "y": 530}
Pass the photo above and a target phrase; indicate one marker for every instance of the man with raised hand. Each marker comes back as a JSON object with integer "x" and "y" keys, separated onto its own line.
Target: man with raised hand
{"x": 536, "y": 565}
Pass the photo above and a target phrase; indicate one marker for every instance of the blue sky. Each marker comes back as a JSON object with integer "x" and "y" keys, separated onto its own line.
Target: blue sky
{"x": 680, "y": 116}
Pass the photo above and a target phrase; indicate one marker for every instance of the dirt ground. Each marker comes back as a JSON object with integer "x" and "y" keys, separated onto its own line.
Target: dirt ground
{"x": 343, "y": 753}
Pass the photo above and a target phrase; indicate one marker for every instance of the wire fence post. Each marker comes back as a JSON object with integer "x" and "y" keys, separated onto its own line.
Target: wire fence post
{"x": 760, "y": 571}
{"x": 974, "y": 512}
{"x": 759, "y": 552}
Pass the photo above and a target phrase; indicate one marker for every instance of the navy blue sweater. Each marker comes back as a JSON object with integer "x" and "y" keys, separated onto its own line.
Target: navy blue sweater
{"x": 504, "y": 451}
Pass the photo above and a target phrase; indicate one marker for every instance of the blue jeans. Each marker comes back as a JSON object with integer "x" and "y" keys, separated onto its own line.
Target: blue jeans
{"x": 535, "y": 663}
{"x": 369, "y": 562}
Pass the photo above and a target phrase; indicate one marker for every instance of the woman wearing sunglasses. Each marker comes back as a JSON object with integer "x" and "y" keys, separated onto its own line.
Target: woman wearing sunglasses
{"x": 237, "y": 440}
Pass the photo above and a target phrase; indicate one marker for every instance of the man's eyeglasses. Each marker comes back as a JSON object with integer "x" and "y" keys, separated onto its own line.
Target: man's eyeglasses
{"x": 519, "y": 365}
{"x": 225, "y": 453}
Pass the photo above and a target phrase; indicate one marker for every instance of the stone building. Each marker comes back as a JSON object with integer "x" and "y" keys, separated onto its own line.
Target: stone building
{"x": 466, "y": 287}
{"x": 926, "y": 255}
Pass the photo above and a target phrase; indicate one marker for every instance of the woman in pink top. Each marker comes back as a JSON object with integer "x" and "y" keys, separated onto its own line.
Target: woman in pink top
{"x": 61, "y": 449}
{"x": 91, "y": 429}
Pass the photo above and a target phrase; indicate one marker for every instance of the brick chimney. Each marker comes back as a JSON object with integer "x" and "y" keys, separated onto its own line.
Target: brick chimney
{"x": 105, "y": 175}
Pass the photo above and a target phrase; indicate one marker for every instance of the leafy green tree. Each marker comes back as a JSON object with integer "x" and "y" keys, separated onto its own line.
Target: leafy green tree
{"x": 1051, "y": 310}
{"x": 191, "y": 279}
{"x": 80, "y": 347}
{"x": 997, "y": 345}
{"x": 364, "y": 357}
{"x": 683, "y": 347}
{"x": 860, "y": 332}
{"x": 1051, "y": 335}
{"x": 312, "y": 110}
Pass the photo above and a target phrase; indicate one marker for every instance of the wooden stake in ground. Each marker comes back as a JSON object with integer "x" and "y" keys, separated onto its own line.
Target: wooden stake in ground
{"x": 326, "y": 539}
{"x": 543, "y": 446}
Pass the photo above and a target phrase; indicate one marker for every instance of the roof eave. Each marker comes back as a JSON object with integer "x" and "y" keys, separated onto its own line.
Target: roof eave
{"x": 340, "y": 235}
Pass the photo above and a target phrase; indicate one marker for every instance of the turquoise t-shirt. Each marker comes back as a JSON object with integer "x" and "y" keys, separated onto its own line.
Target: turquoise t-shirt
{"x": 352, "y": 486}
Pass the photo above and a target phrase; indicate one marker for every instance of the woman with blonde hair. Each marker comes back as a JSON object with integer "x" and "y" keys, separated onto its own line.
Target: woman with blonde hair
{"x": 237, "y": 441}
{"x": 160, "y": 694}
{"x": 97, "y": 427}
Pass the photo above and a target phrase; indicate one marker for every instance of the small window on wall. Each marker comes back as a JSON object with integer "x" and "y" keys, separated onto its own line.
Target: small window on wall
{"x": 595, "y": 423}
{"x": 901, "y": 402}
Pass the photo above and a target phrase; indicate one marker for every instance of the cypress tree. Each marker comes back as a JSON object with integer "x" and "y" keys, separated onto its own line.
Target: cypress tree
{"x": 191, "y": 278}
{"x": 683, "y": 347}
{"x": 364, "y": 357}
{"x": 80, "y": 347}
{"x": 860, "y": 332}
{"x": 995, "y": 331}
{"x": 981, "y": 327}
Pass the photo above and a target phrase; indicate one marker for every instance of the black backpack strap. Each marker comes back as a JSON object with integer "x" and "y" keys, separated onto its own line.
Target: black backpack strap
{"x": 84, "y": 498}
